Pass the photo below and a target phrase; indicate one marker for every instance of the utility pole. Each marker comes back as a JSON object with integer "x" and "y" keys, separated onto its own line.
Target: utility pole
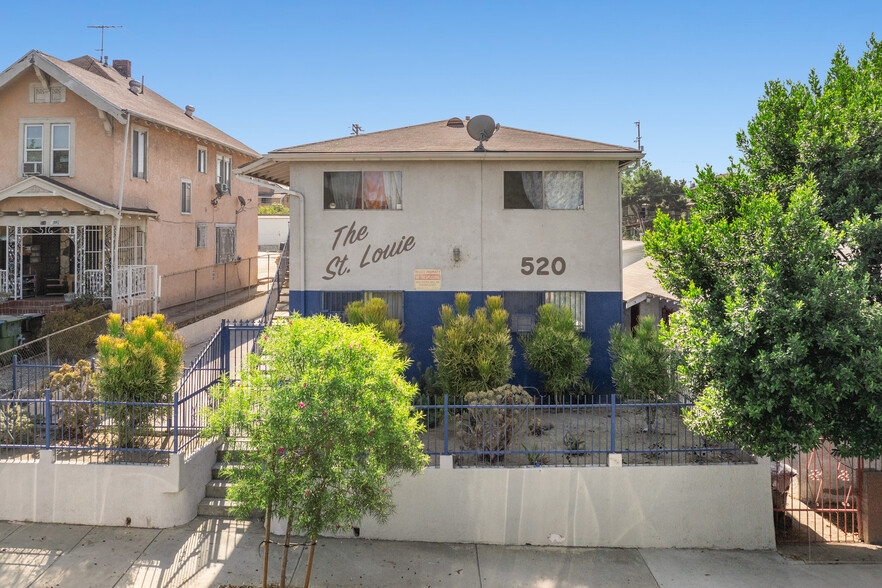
{"x": 102, "y": 27}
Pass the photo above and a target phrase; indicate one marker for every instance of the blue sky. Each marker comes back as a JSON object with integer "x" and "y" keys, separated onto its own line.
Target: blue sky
{"x": 276, "y": 74}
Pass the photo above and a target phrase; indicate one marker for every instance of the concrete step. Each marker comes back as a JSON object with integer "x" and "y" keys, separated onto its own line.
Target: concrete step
{"x": 220, "y": 466}
{"x": 215, "y": 507}
{"x": 217, "y": 489}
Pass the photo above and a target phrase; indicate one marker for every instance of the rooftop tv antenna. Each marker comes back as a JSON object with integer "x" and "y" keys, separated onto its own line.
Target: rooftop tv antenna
{"x": 102, "y": 27}
{"x": 356, "y": 129}
{"x": 481, "y": 128}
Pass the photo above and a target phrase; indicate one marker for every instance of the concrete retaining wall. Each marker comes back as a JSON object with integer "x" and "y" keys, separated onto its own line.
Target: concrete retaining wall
{"x": 103, "y": 494}
{"x": 203, "y": 330}
{"x": 714, "y": 506}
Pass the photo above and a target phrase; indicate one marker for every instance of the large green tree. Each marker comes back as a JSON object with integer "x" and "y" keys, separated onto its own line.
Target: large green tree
{"x": 645, "y": 186}
{"x": 779, "y": 338}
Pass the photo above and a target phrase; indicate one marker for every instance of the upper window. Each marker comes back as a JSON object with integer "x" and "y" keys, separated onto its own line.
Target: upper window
{"x": 47, "y": 147}
{"x": 202, "y": 160}
{"x": 370, "y": 190}
{"x": 139, "y": 154}
{"x": 33, "y": 149}
{"x": 549, "y": 190}
{"x": 186, "y": 197}
{"x": 225, "y": 243}
{"x": 224, "y": 171}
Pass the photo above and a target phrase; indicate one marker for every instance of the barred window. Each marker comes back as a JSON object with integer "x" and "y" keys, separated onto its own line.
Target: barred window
{"x": 335, "y": 303}
{"x": 201, "y": 235}
{"x": 523, "y": 308}
{"x": 131, "y": 246}
{"x": 225, "y": 243}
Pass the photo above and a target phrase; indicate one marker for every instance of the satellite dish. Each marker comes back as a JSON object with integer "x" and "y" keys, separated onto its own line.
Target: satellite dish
{"x": 242, "y": 202}
{"x": 481, "y": 128}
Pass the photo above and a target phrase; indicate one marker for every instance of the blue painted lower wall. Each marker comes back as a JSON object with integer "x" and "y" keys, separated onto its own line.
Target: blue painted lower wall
{"x": 421, "y": 313}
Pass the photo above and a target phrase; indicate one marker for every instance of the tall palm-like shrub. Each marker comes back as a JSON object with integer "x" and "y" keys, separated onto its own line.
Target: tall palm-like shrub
{"x": 473, "y": 352}
{"x": 139, "y": 363}
{"x": 375, "y": 312}
{"x": 558, "y": 351}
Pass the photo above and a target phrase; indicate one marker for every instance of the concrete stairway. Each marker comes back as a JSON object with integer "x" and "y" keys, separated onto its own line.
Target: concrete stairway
{"x": 215, "y": 503}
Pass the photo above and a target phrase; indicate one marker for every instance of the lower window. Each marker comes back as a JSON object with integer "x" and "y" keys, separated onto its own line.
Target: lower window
{"x": 335, "y": 303}
{"x": 225, "y": 243}
{"x": 523, "y": 308}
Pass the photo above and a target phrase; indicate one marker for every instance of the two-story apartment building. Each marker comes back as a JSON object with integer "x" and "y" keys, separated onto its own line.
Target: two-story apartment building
{"x": 416, "y": 214}
{"x": 105, "y": 186}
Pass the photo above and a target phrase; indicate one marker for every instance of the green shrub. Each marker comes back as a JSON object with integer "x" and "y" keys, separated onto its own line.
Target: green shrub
{"x": 472, "y": 352}
{"x": 641, "y": 363}
{"x": 558, "y": 351}
{"x": 274, "y": 208}
{"x": 16, "y": 425}
{"x": 75, "y": 343}
{"x": 75, "y": 383}
{"x": 491, "y": 430}
{"x": 375, "y": 313}
{"x": 138, "y": 362}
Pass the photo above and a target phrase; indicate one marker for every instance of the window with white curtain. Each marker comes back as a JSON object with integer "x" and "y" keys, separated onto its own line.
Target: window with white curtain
{"x": 369, "y": 190}
{"x": 224, "y": 171}
{"x": 552, "y": 190}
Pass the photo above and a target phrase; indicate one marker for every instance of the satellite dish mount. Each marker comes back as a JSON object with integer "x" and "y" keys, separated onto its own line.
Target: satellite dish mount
{"x": 481, "y": 128}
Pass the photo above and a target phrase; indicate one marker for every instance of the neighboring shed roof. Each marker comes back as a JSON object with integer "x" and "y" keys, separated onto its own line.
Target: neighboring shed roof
{"x": 639, "y": 279}
{"x": 437, "y": 140}
{"x": 108, "y": 90}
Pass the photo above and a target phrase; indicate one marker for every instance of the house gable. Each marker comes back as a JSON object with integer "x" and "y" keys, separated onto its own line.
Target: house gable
{"x": 38, "y": 193}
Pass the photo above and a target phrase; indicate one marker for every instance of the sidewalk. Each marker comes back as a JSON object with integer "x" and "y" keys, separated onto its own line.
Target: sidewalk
{"x": 215, "y": 552}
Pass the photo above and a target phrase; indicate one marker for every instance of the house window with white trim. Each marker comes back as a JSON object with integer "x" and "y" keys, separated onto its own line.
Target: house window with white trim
{"x": 33, "y": 150}
{"x": 557, "y": 190}
{"x": 47, "y": 147}
{"x": 186, "y": 196}
{"x": 201, "y": 235}
{"x": 60, "y": 149}
{"x": 224, "y": 172}
{"x": 225, "y": 243}
{"x": 139, "y": 154}
{"x": 202, "y": 160}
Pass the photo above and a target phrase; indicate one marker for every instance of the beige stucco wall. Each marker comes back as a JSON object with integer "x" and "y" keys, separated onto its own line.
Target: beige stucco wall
{"x": 447, "y": 204}
{"x": 97, "y": 161}
{"x": 104, "y": 494}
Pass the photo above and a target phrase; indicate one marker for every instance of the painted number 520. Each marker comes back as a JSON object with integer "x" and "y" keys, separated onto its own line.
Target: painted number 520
{"x": 540, "y": 267}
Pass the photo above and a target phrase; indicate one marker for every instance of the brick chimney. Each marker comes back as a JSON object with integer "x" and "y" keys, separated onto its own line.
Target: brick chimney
{"x": 123, "y": 66}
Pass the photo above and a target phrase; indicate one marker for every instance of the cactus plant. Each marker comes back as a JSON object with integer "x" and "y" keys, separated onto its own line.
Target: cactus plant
{"x": 490, "y": 430}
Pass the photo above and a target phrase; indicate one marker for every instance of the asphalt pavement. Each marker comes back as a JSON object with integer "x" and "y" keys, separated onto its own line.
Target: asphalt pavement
{"x": 217, "y": 552}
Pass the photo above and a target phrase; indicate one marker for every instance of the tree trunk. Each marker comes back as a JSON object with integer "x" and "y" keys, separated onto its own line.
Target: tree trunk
{"x": 285, "y": 554}
{"x": 309, "y": 564}
{"x": 266, "y": 544}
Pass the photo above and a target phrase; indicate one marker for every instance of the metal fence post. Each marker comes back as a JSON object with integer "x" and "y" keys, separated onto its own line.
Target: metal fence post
{"x": 612, "y": 427}
{"x": 14, "y": 380}
{"x": 47, "y": 418}
{"x": 445, "y": 425}
{"x": 225, "y": 347}
{"x": 175, "y": 417}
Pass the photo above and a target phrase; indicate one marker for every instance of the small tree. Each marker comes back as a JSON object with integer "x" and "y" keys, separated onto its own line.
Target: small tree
{"x": 139, "y": 363}
{"x": 327, "y": 411}
{"x": 642, "y": 368}
{"x": 473, "y": 352}
{"x": 558, "y": 351}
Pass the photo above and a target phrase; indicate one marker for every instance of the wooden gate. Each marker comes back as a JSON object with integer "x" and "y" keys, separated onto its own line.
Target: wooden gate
{"x": 816, "y": 497}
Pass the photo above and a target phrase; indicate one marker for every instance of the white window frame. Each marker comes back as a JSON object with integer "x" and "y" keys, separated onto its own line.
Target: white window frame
{"x": 53, "y": 149}
{"x": 201, "y": 235}
{"x": 186, "y": 196}
{"x": 46, "y": 163}
{"x": 230, "y": 255}
{"x": 202, "y": 160}
{"x": 140, "y": 153}
{"x": 225, "y": 171}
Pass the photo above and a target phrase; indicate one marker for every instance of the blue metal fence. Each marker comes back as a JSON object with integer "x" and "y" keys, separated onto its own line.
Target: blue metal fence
{"x": 574, "y": 434}
{"x": 33, "y": 417}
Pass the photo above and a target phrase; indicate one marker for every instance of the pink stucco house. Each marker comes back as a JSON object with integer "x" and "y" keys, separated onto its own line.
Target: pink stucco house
{"x": 106, "y": 186}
